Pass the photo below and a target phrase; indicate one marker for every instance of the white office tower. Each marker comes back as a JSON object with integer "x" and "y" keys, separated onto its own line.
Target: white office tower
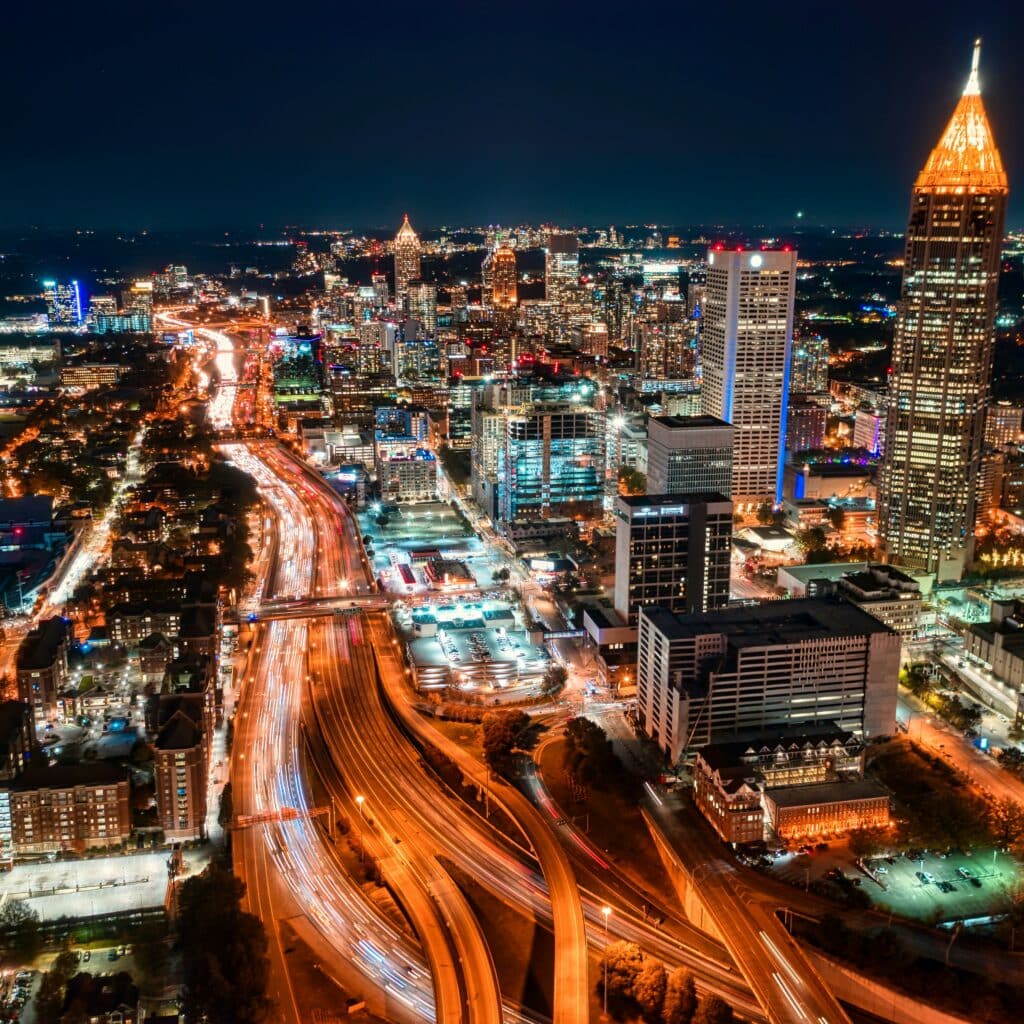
{"x": 689, "y": 455}
{"x": 704, "y": 678}
{"x": 561, "y": 266}
{"x": 746, "y": 337}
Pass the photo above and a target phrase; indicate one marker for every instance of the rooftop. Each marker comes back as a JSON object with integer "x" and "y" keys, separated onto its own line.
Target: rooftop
{"x": 689, "y": 422}
{"x": 826, "y": 793}
{"x": 775, "y": 622}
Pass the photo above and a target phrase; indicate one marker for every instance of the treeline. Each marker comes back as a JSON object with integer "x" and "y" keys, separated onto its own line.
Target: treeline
{"x": 640, "y": 987}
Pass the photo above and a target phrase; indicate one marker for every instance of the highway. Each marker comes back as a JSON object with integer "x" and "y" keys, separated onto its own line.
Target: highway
{"x": 440, "y": 821}
{"x": 290, "y": 868}
{"x": 787, "y": 987}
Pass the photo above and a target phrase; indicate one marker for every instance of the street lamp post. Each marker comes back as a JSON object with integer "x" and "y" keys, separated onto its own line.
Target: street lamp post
{"x": 360, "y": 800}
{"x": 606, "y": 912}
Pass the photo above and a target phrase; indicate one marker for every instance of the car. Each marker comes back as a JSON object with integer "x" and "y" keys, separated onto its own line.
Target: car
{"x": 924, "y": 879}
{"x": 975, "y": 881}
{"x": 963, "y": 872}
{"x": 112, "y": 955}
{"x": 928, "y": 876}
{"x": 821, "y": 847}
{"x": 881, "y": 869}
{"x": 87, "y": 956}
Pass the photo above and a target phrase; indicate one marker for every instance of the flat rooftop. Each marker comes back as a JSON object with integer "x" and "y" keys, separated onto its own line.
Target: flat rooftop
{"x": 825, "y": 793}
{"x": 690, "y": 422}
{"x": 775, "y": 622}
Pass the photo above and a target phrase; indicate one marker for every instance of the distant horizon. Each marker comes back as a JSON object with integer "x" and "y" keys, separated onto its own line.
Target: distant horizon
{"x": 539, "y": 112}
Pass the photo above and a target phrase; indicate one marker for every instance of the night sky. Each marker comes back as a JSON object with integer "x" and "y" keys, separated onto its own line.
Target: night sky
{"x": 345, "y": 114}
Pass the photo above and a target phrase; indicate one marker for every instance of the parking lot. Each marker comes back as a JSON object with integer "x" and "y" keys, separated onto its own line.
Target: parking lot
{"x": 931, "y": 887}
{"x": 87, "y": 888}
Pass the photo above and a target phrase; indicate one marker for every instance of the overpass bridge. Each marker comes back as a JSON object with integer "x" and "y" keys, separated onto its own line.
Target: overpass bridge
{"x": 715, "y": 897}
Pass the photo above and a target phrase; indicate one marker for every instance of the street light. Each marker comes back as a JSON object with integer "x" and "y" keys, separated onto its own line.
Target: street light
{"x": 360, "y": 800}
{"x": 606, "y": 912}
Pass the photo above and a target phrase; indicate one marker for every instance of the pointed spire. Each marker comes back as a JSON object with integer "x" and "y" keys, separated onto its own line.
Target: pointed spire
{"x": 966, "y": 158}
{"x": 973, "y": 86}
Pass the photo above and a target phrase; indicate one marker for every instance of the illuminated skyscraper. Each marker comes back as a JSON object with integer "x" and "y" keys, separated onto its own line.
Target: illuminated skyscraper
{"x": 423, "y": 304}
{"x": 561, "y": 265}
{"x": 407, "y": 258}
{"x": 64, "y": 302}
{"x": 504, "y": 294}
{"x": 810, "y": 366}
{"x": 942, "y": 351}
{"x": 746, "y": 337}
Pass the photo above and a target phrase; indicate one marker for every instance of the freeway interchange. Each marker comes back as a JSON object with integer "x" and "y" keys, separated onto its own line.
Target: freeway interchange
{"x": 327, "y": 694}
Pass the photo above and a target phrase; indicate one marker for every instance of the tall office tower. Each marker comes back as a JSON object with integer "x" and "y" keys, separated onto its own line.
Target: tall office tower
{"x": 459, "y": 301}
{"x": 381, "y": 292}
{"x": 1002, "y": 424}
{"x": 106, "y": 305}
{"x": 672, "y": 550}
{"x": 64, "y": 304}
{"x": 706, "y": 677}
{"x": 407, "y": 258}
{"x": 487, "y": 280}
{"x": 667, "y": 351}
{"x": 552, "y": 463}
{"x": 745, "y": 348}
{"x": 810, "y": 366}
{"x": 422, "y": 301}
{"x": 504, "y": 279}
{"x": 561, "y": 265}
{"x": 139, "y": 298}
{"x": 806, "y": 424}
{"x": 689, "y": 455}
{"x": 942, "y": 349}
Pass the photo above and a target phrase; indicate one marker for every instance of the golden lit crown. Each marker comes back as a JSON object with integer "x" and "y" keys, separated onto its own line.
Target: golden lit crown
{"x": 966, "y": 158}
{"x": 406, "y": 232}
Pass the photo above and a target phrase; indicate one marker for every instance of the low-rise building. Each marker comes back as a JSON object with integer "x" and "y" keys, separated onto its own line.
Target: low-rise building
{"x": 999, "y": 643}
{"x": 66, "y": 808}
{"x": 17, "y": 738}
{"x": 791, "y": 783}
{"x": 41, "y": 666}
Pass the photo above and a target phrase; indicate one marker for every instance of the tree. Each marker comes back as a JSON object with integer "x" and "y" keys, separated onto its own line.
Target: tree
{"x": 151, "y": 951}
{"x": 555, "y": 677}
{"x": 811, "y": 540}
{"x": 765, "y": 514}
{"x": 649, "y": 987}
{"x": 631, "y": 481}
{"x": 866, "y": 843}
{"x": 713, "y": 1010}
{"x": 224, "y": 951}
{"x": 589, "y": 754}
{"x": 20, "y": 924}
{"x": 680, "y": 997}
{"x": 502, "y": 731}
{"x": 620, "y": 965}
{"x": 836, "y": 516}
{"x": 1006, "y": 820}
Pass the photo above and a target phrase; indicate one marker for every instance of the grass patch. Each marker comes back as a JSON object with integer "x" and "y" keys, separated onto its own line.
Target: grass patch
{"x": 616, "y": 826}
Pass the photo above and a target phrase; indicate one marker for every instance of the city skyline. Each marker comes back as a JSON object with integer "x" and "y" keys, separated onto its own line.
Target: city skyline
{"x": 629, "y": 141}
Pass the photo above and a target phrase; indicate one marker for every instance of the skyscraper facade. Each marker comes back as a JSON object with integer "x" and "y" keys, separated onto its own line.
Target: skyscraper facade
{"x": 810, "y": 365}
{"x": 561, "y": 266}
{"x": 672, "y": 550}
{"x": 407, "y": 257}
{"x": 504, "y": 277}
{"x": 746, "y": 336}
{"x": 64, "y": 303}
{"x": 689, "y": 454}
{"x": 422, "y": 300}
{"x": 942, "y": 350}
